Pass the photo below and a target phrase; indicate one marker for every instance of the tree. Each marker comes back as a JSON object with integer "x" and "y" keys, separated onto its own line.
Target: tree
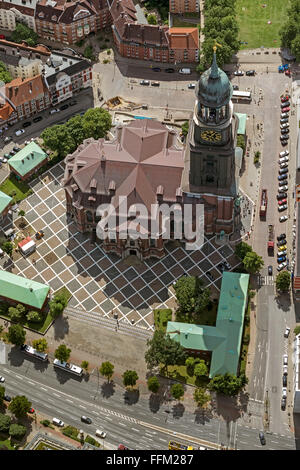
{"x": 190, "y": 365}
{"x": 200, "y": 369}
{"x": 57, "y": 304}
{"x": 201, "y": 397}
{"x": 130, "y": 378}
{"x": 191, "y": 296}
{"x": 295, "y": 46}
{"x": 177, "y": 391}
{"x": 253, "y": 262}
{"x": 96, "y": 122}
{"x": 151, "y": 18}
{"x": 283, "y": 281}
{"x": 58, "y": 139}
{"x": 75, "y": 129}
{"x": 23, "y": 33}
{"x": 40, "y": 345}
{"x": 8, "y": 247}
{"x": 228, "y": 384}
{"x": 5, "y": 421}
{"x": 242, "y": 249}
{"x": 17, "y": 431}
{"x": 33, "y": 316}
{"x": 62, "y": 353}
{"x": 297, "y": 330}
{"x": 185, "y": 128}
{"x": 107, "y": 370}
{"x": 153, "y": 384}
{"x": 21, "y": 213}
{"x": 85, "y": 366}
{"x": 163, "y": 350}
{"x": 15, "y": 314}
{"x": 2, "y": 393}
{"x": 5, "y": 76}
{"x": 16, "y": 335}
{"x": 19, "y": 406}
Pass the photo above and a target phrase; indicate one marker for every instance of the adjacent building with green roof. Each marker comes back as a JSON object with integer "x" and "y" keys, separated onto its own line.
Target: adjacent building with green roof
{"x": 5, "y": 203}
{"x": 27, "y": 161}
{"x": 224, "y": 339}
{"x": 21, "y": 290}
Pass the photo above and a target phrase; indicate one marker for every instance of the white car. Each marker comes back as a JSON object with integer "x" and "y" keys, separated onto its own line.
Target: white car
{"x": 287, "y": 332}
{"x": 191, "y": 86}
{"x": 284, "y": 153}
{"x": 281, "y": 266}
{"x": 285, "y": 125}
{"x": 55, "y": 110}
{"x": 282, "y": 253}
{"x": 100, "y": 433}
{"x": 284, "y": 165}
{"x": 283, "y": 218}
{"x": 4, "y": 160}
{"x": 283, "y": 189}
{"x": 284, "y": 115}
{"x": 285, "y": 360}
{"x": 58, "y": 422}
{"x": 282, "y": 208}
{"x": 19, "y": 132}
{"x": 285, "y": 370}
{"x": 2, "y": 379}
{"x": 284, "y": 392}
{"x": 238, "y": 73}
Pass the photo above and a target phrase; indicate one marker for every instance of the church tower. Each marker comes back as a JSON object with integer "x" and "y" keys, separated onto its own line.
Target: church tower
{"x": 210, "y": 169}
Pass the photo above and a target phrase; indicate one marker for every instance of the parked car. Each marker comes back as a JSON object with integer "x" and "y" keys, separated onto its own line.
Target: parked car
{"x": 283, "y": 160}
{"x": 7, "y": 139}
{"x": 283, "y": 165}
{"x": 283, "y": 247}
{"x": 7, "y": 398}
{"x": 286, "y": 110}
{"x": 285, "y": 359}
{"x": 58, "y": 422}
{"x": 250, "y": 73}
{"x": 284, "y": 120}
{"x": 285, "y": 131}
{"x": 287, "y": 332}
{"x": 221, "y": 267}
{"x": 19, "y": 132}
{"x": 281, "y": 243}
{"x": 282, "y": 253}
{"x": 280, "y": 259}
{"x": 282, "y": 187}
{"x": 72, "y": 103}
{"x": 37, "y": 119}
{"x": 284, "y": 125}
{"x": 282, "y": 177}
{"x": 31, "y": 411}
{"x": 285, "y": 370}
{"x": 262, "y": 438}
{"x": 155, "y": 83}
{"x": 282, "y": 208}
{"x": 235, "y": 87}
{"x": 27, "y": 124}
{"x": 16, "y": 148}
{"x": 64, "y": 106}
{"x": 281, "y": 266}
{"x": 282, "y": 236}
{"x": 227, "y": 265}
{"x": 85, "y": 419}
{"x": 284, "y": 142}
{"x": 192, "y": 85}
{"x": 2, "y": 379}
{"x": 54, "y": 110}
{"x": 283, "y": 201}
{"x": 209, "y": 275}
{"x": 285, "y": 104}
{"x": 144, "y": 82}
{"x": 281, "y": 196}
{"x": 156, "y": 69}
{"x": 170, "y": 70}
{"x": 283, "y": 404}
{"x": 284, "y": 115}
{"x": 284, "y": 392}
{"x": 270, "y": 270}
{"x": 238, "y": 73}
{"x": 283, "y": 218}
{"x": 285, "y": 98}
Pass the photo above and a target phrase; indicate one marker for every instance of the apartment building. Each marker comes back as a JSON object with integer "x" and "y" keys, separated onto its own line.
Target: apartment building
{"x": 70, "y": 21}
{"x": 12, "y": 11}
{"x": 183, "y": 45}
{"x": 184, "y": 6}
{"x": 21, "y": 60}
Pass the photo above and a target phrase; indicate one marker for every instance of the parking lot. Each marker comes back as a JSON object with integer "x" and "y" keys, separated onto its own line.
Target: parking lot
{"x": 100, "y": 282}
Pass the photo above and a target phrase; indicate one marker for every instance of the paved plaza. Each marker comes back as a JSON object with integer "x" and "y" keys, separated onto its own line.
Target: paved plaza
{"x": 100, "y": 282}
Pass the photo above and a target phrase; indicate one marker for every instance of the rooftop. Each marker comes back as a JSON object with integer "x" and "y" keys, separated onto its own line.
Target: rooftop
{"x": 27, "y": 159}
{"x": 5, "y": 200}
{"x": 22, "y": 290}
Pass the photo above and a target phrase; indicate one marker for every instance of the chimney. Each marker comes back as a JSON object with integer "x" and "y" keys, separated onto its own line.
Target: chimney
{"x": 112, "y": 188}
{"x": 119, "y": 133}
{"x": 179, "y": 195}
{"x": 160, "y": 193}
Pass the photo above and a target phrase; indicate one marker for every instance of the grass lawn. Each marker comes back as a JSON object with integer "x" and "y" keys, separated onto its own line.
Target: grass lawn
{"x": 184, "y": 24}
{"x": 65, "y": 292}
{"x": 4, "y": 440}
{"x": 161, "y": 318}
{"x": 207, "y": 317}
{"x": 180, "y": 373}
{"x": 39, "y": 327}
{"x": 253, "y": 22}
{"x": 18, "y": 190}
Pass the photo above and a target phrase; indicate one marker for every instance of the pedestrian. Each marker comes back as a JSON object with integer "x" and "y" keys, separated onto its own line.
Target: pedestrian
{"x": 116, "y": 329}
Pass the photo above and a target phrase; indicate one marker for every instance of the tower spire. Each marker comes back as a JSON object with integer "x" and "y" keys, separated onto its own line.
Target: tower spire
{"x": 214, "y": 70}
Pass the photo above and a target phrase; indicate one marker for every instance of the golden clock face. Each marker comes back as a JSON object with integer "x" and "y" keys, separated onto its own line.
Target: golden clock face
{"x": 211, "y": 136}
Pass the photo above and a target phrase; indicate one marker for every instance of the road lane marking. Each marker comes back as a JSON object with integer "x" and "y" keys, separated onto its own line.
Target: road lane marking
{"x": 42, "y": 388}
{"x": 122, "y": 424}
{"x": 56, "y": 394}
{"x": 136, "y": 430}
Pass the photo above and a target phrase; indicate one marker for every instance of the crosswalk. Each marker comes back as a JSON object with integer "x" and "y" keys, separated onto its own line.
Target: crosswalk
{"x": 266, "y": 280}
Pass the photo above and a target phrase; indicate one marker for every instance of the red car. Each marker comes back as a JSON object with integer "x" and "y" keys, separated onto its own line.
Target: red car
{"x": 282, "y": 201}
{"x": 32, "y": 410}
{"x": 2, "y": 36}
{"x": 285, "y": 98}
{"x": 288, "y": 73}
{"x": 285, "y": 110}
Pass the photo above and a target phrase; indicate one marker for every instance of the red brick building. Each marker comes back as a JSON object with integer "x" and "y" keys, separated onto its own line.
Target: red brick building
{"x": 184, "y": 6}
{"x": 183, "y": 45}
{"x": 70, "y": 21}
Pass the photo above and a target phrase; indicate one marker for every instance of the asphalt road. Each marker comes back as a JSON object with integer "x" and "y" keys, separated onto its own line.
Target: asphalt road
{"x": 135, "y": 422}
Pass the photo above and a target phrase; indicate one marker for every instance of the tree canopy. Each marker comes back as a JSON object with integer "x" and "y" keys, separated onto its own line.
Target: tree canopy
{"x": 153, "y": 384}
{"x": 17, "y": 430}
{"x": 253, "y": 262}
{"x": 57, "y": 304}
{"x": 16, "y": 335}
{"x": 19, "y": 406}
{"x": 40, "y": 345}
{"x": 5, "y": 76}
{"x": 5, "y": 421}
{"x": 23, "y": 33}
{"x": 163, "y": 350}
{"x": 201, "y": 397}
{"x": 191, "y": 296}
{"x": 177, "y": 391}
{"x": 200, "y": 369}
{"x": 283, "y": 281}
{"x": 107, "y": 370}
{"x": 130, "y": 378}
{"x": 242, "y": 249}
{"x": 290, "y": 30}
{"x": 62, "y": 353}
{"x": 228, "y": 384}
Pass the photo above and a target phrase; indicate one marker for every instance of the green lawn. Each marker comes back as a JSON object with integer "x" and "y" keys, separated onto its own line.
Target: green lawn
{"x": 39, "y": 327}
{"x": 4, "y": 440}
{"x": 253, "y": 22}
{"x": 180, "y": 373}
{"x": 178, "y": 23}
{"x": 18, "y": 190}
{"x": 65, "y": 292}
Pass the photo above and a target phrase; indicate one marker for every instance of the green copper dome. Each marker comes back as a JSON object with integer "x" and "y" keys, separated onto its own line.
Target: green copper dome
{"x": 214, "y": 89}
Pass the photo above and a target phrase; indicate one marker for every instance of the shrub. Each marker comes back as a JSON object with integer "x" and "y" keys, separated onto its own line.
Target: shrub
{"x": 108, "y": 52}
{"x": 33, "y": 317}
{"x": 72, "y": 432}
{"x": 92, "y": 441}
{"x": 45, "y": 422}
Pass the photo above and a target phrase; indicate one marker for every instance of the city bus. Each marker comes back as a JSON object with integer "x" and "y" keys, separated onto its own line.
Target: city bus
{"x": 34, "y": 353}
{"x": 241, "y": 95}
{"x": 177, "y": 446}
{"x": 76, "y": 370}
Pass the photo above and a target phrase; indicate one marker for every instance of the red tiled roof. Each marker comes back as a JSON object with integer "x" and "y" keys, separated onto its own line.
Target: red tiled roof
{"x": 21, "y": 91}
{"x": 40, "y": 48}
{"x": 296, "y": 282}
{"x": 183, "y": 38}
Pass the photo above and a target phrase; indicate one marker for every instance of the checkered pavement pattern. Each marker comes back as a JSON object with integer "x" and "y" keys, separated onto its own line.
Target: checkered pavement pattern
{"x": 101, "y": 282}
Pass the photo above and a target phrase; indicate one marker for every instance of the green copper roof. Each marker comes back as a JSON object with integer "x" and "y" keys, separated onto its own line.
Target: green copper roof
{"x": 242, "y": 123}
{"x": 224, "y": 339}
{"x": 22, "y": 290}
{"x": 4, "y": 201}
{"x": 214, "y": 88}
{"x": 27, "y": 159}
